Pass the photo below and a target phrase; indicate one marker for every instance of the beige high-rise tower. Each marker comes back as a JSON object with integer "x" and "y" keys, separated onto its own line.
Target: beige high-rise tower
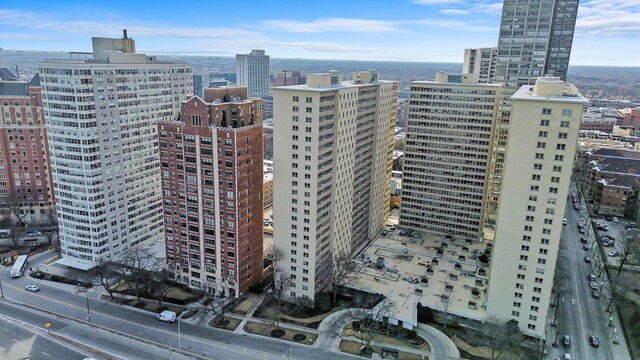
{"x": 543, "y": 132}
{"x": 333, "y": 146}
{"x": 449, "y": 130}
{"x": 481, "y": 61}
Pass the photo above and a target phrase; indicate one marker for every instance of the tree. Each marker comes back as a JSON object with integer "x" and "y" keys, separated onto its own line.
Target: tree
{"x": 620, "y": 286}
{"x": 219, "y": 306}
{"x": 13, "y": 203}
{"x": 629, "y": 247}
{"x": 133, "y": 268}
{"x": 372, "y": 322}
{"x": 52, "y": 229}
{"x": 16, "y": 233}
{"x": 340, "y": 273}
{"x": 281, "y": 278}
{"x": 558, "y": 289}
{"x": 107, "y": 276}
{"x": 159, "y": 285}
{"x": 496, "y": 334}
{"x": 445, "y": 303}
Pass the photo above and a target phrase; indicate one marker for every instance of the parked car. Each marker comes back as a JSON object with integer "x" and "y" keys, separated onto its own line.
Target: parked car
{"x": 607, "y": 243}
{"x": 592, "y": 277}
{"x": 631, "y": 225}
{"x": 613, "y": 253}
{"x": 587, "y": 259}
{"x": 564, "y": 221}
{"x": 32, "y": 287}
{"x": 581, "y": 230}
{"x": 594, "y": 341}
{"x": 595, "y": 294}
{"x": 615, "y": 219}
{"x": 593, "y": 285}
{"x": 566, "y": 341}
{"x": 585, "y": 247}
{"x": 608, "y": 218}
{"x": 167, "y": 316}
{"x": 34, "y": 233}
{"x": 583, "y": 240}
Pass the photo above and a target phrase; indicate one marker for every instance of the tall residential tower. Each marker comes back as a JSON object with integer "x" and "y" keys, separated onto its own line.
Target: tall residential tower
{"x": 212, "y": 188}
{"x": 333, "y": 146}
{"x": 481, "y": 61}
{"x": 252, "y": 71}
{"x": 102, "y": 117}
{"x": 545, "y": 120}
{"x": 449, "y": 131}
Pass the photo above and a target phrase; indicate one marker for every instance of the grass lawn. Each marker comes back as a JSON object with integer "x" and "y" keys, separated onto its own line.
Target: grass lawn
{"x": 352, "y": 347}
{"x": 265, "y": 330}
{"x": 348, "y": 331}
{"x": 231, "y": 325}
{"x": 244, "y": 307}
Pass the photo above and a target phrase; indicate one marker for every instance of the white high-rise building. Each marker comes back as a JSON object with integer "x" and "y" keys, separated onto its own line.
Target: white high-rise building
{"x": 333, "y": 147}
{"x": 252, "y": 71}
{"x": 450, "y": 126}
{"x": 102, "y": 119}
{"x": 543, "y": 132}
{"x": 481, "y": 61}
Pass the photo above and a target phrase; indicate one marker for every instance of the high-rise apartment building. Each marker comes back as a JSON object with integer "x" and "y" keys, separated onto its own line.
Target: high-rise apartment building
{"x": 535, "y": 40}
{"x": 102, "y": 117}
{"x": 481, "y": 61}
{"x": 212, "y": 188}
{"x": 333, "y": 145}
{"x": 545, "y": 120}
{"x": 25, "y": 172}
{"x": 200, "y": 82}
{"x": 252, "y": 71}
{"x": 446, "y": 157}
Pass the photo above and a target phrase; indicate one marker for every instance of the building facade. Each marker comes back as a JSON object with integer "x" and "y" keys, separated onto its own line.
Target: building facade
{"x": 212, "y": 190}
{"x": 545, "y": 121}
{"x": 446, "y": 159}
{"x": 333, "y": 144}
{"x": 535, "y": 40}
{"x": 288, "y": 77}
{"x": 25, "y": 172}
{"x": 102, "y": 120}
{"x": 481, "y": 61}
{"x": 252, "y": 71}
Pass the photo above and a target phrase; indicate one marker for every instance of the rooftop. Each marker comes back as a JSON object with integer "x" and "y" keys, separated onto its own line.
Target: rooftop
{"x": 427, "y": 269}
{"x": 552, "y": 89}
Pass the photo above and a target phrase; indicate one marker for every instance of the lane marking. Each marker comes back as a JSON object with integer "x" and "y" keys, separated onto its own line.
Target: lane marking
{"x": 45, "y": 353}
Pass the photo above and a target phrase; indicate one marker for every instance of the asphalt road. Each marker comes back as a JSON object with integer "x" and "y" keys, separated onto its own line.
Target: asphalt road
{"x": 581, "y": 315}
{"x": 203, "y": 340}
{"x": 17, "y": 342}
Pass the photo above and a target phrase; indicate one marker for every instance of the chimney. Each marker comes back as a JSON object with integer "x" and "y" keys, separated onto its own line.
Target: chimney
{"x": 124, "y": 33}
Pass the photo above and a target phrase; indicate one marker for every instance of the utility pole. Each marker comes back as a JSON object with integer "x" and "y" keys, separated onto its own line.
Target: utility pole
{"x": 88, "y": 311}
{"x": 1, "y": 290}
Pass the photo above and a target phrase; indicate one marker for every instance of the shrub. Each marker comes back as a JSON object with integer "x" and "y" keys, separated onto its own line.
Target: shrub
{"x": 323, "y": 302}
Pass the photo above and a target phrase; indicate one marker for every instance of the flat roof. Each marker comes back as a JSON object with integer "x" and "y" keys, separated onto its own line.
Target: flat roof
{"x": 342, "y": 85}
{"x": 427, "y": 269}
{"x": 526, "y": 92}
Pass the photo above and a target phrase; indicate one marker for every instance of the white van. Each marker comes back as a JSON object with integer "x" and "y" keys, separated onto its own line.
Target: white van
{"x": 567, "y": 356}
{"x": 168, "y": 316}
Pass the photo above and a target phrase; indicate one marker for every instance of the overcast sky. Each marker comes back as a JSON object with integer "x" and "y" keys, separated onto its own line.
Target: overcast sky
{"x": 607, "y": 32}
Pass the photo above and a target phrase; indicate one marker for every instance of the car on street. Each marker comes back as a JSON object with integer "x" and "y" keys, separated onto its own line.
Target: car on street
{"x": 587, "y": 259}
{"x": 595, "y": 294}
{"x": 32, "y": 287}
{"x": 607, "y": 237}
{"x": 167, "y": 316}
{"x": 608, "y": 218}
{"x": 594, "y": 341}
{"x": 631, "y": 225}
{"x": 583, "y": 240}
{"x": 564, "y": 221}
{"x": 592, "y": 277}
{"x": 614, "y": 219}
{"x": 581, "y": 230}
{"x": 613, "y": 253}
{"x": 585, "y": 247}
{"x": 566, "y": 341}
{"x": 593, "y": 285}
{"x": 575, "y": 206}
{"x": 607, "y": 243}
{"x": 34, "y": 233}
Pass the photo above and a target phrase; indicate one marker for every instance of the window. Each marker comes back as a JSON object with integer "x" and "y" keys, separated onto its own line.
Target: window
{"x": 535, "y": 177}
{"x": 294, "y": 109}
{"x": 566, "y": 112}
{"x": 557, "y": 169}
{"x": 294, "y": 118}
{"x": 560, "y": 147}
{"x": 196, "y": 120}
{"x": 544, "y": 122}
{"x": 295, "y": 99}
{"x": 562, "y": 135}
{"x": 559, "y": 158}
{"x": 309, "y": 99}
{"x": 546, "y": 111}
{"x": 539, "y": 156}
{"x": 564, "y": 124}
{"x": 537, "y": 166}
{"x": 542, "y": 134}
{"x": 541, "y": 145}
{"x": 309, "y": 110}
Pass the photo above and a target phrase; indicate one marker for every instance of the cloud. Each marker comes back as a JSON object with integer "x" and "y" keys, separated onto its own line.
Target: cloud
{"x": 609, "y": 18}
{"x": 332, "y": 25}
{"x": 455, "y": 11}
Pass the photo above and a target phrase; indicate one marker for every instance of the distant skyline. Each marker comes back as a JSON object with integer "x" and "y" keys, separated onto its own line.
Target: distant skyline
{"x": 607, "y": 31}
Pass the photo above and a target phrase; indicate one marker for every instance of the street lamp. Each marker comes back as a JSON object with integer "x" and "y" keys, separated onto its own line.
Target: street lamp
{"x": 86, "y": 294}
{"x": 179, "y": 339}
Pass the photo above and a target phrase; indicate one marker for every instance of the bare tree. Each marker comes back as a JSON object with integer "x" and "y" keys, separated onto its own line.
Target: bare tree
{"x": 271, "y": 317}
{"x": 341, "y": 273}
{"x": 13, "y": 203}
{"x": 558, "y": 290}
{"x": 219, "y": 307}
{"x": 620, "y": 287}
{"x": 133, "y": 268}
{"x": 496, "y": 334}
{"x": 281, "y": 278}
{"x": 445, "y": 304}
{"x": 158, "y": 280}
{"x": 16, "y": 233}
{"x": 628, "y": 248}
{"x": 107, "y": 276}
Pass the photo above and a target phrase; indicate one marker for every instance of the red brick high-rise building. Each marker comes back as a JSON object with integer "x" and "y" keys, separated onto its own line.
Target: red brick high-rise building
{"x": 212, "y": 189}
{"x": 25, "y": 175}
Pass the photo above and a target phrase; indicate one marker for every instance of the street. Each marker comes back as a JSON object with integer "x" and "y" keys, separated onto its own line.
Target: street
{"x": 580, "y": 314}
